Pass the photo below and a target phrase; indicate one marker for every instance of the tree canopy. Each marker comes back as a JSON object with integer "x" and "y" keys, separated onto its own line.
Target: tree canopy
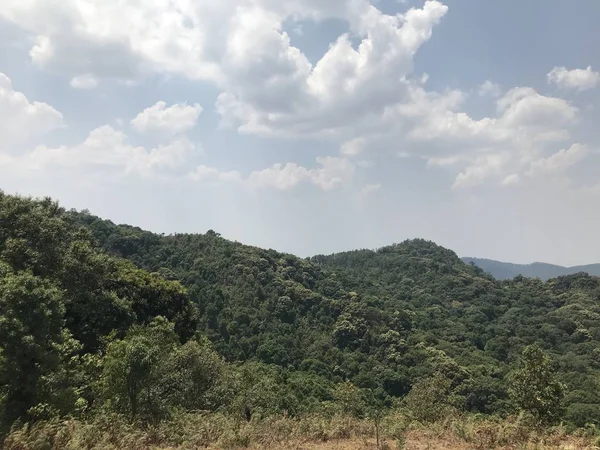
{"x": 102, "y": 317}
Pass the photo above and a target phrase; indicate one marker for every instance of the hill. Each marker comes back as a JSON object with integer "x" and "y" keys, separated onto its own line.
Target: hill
{"x": 507, "y": 271}
{"x": 381, "y": 319}
{"x": 99, "y": 319}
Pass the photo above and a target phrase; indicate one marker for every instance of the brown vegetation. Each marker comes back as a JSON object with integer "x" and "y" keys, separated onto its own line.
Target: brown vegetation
{"x": 198, "y": 431}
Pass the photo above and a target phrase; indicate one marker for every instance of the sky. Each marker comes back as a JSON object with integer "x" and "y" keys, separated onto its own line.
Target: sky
{"x": 313, "y": 126}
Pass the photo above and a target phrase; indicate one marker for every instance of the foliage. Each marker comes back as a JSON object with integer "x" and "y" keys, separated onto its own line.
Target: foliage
{"x": 30, "y": 342}
{"x": 533, "y": 387}
{"x": 429, "y": 399}
{"x": 61, "y": 297}
{"x": 98, "y": 319}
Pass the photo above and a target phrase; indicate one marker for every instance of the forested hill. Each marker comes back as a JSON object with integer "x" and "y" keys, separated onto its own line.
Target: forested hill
{"x": 544, "y": 271}
{"x": 79, "y": 324}
{"x": 478, "y": 321}
{"x": 375, "y": 317}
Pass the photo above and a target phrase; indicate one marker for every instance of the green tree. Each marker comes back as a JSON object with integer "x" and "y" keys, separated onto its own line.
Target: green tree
{"x": 429, "y": 399}
{"x": 130, "y": 378}
{"x": 258, "y": 391}
{"x": 31, "y": 234}
{"x": 191, "y": 377}
{"x": 533, "y": 387}
{"x": 148, "y": 373}
{"x": 350, "y": 400}
{"x": 31, "y": 342}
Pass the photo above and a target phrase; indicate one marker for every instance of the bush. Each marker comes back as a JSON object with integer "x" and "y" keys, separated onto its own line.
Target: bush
{"x": 429, "y": 399}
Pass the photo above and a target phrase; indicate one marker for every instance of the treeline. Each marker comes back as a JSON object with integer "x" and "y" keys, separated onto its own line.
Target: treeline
{"x": 98, "y": 319}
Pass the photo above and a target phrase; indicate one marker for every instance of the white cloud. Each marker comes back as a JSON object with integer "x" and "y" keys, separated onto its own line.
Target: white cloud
{"x": 489, "y": 88}
{"x": 21, "y": 119}
{"x": 332, "y": 174}
{"x": 107, "y": 150}
{"x": 87, "y": 81}
{"x": 523, "y": 117}
{"x": 526, "y": 124}
{"x": 576, "y": 79}
{"x": 524, "y": 107}
{"x": 280, "y": 176}
{"x": 559, "y": 161}
{"x": 479, "y": 170}
{"x": 511, "y": 180}
{"x": 346, "y": 88}
{"x": 268, "y": 86}
{"x": 175, "y": 119}
{"x": 353, "y": 147}
{"x": 362, "y": 93}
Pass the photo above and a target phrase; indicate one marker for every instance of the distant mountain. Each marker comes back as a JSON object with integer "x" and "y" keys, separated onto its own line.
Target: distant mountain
{"x": 505, "y": 271}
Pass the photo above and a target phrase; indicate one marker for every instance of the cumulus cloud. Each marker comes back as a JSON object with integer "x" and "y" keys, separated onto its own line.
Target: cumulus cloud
{"x": 346, "y": 88}
{"x": 107, "y": 154}
{"x": 353, "y": 147}
{"x": 559, "y": 161}
{"x": 479, "y": 170}
{"x": 268, "y": 86}
{"x": 86, "y": 81}
{"x": 332, "y": 174}
{"x": 22, "y": 119}
{"x": 524, "y": 107}
{"x": 576, "y": 79}
{"x": 362, "y": 92}
{"x": 525, "y": 125}
{"x": 175, "y": 119}
{"x": 489, "y": 89}
{"x": 511, "y": 180}
{"x": 108, "y": 151}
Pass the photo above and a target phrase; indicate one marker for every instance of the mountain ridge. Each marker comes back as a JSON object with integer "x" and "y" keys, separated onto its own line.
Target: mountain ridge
{"x": 545, "y": 271}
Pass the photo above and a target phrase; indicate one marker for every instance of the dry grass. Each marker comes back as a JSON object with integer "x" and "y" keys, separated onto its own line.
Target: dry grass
{"x": 317, "y": 432}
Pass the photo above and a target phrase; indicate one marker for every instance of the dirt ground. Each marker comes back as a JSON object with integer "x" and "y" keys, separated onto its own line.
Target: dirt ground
{"x": 420, "y": 441}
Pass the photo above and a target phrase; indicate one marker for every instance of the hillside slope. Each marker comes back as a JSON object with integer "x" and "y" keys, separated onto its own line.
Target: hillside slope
{"x": 355, "y": 330}
{"x": 377, "y": 318}
{"x": 474, "y": 318}
{"x": 506, "y": 271}
{"x": 61, "y": 298}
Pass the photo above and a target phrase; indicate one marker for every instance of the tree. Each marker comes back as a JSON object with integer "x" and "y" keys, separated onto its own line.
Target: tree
{"x": 130, "y": 378}
{"x": 533, "y": 387}
{"x": 429, "y": 399}
{"x": 31, "y": 234}
{"x": 377, "y": 404}
{"x": 31, "y": 337}
{"x": 190, "y": 377}
{"x": 149, "y": 373}
{"x": 257, "y": 391}
{"x": 350, "y": 400}
{"x": 349, "y": 330}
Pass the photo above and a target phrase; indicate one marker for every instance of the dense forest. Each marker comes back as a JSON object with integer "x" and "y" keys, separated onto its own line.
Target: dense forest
{"x": 101, "y": 320}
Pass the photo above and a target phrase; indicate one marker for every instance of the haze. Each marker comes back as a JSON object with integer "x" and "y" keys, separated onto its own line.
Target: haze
{"x": 313, "y": 127}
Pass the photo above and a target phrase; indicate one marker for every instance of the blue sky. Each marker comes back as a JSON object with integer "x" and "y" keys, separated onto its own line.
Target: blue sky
{"x": 313, "y": 127}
